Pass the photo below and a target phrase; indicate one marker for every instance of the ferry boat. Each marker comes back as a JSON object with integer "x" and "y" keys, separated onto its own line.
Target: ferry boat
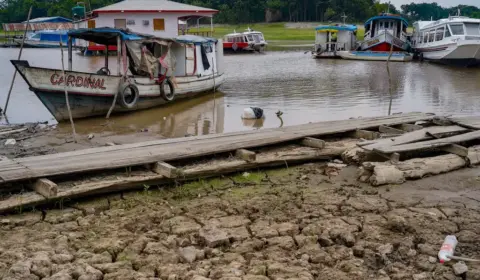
{"x": 151, "y": 71}
{"x": 247, "y": 41}
{"x": 329, "y": 39}
{"x": 383, "y": 31}
{"x": 45, "y": 39}
{"x": 454, "y": 40}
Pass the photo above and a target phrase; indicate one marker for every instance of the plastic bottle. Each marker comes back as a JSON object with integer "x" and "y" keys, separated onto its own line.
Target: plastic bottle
{"x": 448, "y": 248}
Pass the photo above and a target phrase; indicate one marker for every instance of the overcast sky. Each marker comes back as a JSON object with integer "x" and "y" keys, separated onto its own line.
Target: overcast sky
{"x": 444, "y": 3}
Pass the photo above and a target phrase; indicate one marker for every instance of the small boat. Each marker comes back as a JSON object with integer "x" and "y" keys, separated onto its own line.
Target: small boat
{"x": 329, "y": 39}
{"x": 45, "y": 39}
{"x": 247, "y": 41}
{"x": 376, "y": 56}
{"x": 453, "y": 41}
{"x": 151, "y": 71}
{"x": 384, "y": 31}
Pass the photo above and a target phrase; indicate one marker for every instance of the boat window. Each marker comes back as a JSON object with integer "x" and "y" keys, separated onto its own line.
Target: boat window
{"x": 425, "y": 37}
{"x": 36, "y": 36}
{"x": 457, "y": 29}
{"x": 208, "y": 48}
{"x": 431, "y": 36}
{"x": 472, "y": 28}
{"x": 447, "y": 32}
{"x": 420, "y": 37}
{"x": 245, "y": 39}
{"x": 381, "y": 24}
{"x": 439, "y": 34}
{"x": 250, "y": 38}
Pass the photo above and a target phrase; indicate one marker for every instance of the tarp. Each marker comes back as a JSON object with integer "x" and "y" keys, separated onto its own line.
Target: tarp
{"x": 105, "y": 35}
{"x": 145, "y": 63}
{"x": 336, "y": 28}
{"x": 194, "y": 39}
{"x": 37, "y": 26}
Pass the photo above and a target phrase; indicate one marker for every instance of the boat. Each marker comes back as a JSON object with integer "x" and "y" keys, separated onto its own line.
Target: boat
{"x": 45, "y": 39}
{"x": 151, "y": 71}
{"x": 376, "y": 56}
{"x": 332, "y": 38}
{"x": 246, "y": 41}
{"x": 385, "y": 31}
{"x": 454, "y": 41}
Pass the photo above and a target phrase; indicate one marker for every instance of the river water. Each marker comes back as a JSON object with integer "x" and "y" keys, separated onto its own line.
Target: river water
{"x": 304, "y": 89}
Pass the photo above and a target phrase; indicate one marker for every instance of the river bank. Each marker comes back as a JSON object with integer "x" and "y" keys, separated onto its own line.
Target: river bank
{"x": 290, "y": 223}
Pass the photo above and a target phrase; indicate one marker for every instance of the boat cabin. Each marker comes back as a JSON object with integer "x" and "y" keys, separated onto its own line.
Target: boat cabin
{"x": 332, "y": 38}
{"x": 429, "y": 32}
{"x": 384, "y": 30}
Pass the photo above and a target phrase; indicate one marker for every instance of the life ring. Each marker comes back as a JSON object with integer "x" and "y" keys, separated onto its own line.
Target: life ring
{"x": 170, "y": 95}
{"x": 128, "y": 95}
{"x": 235, "y": 46}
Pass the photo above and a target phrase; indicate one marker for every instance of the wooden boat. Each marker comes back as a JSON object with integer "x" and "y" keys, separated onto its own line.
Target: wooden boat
{"x": 246, "y": 41}
{"x": 151, "y": 71}
{"x": 454, "y": 41}
{"x": 383, "y": 31}
{"x": 375, "y": 56}
{"x": 332, "y": 38}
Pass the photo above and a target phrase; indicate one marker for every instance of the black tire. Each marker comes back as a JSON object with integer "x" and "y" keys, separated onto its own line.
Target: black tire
{"x": 128, "y": 96}
{"x": 170, "y": 95}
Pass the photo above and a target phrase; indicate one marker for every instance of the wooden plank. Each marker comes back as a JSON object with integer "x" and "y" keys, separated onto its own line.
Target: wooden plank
{"x": 271, "y": 158}
{"x": 472, "y": 122}
{"x": 45, "y": 187}
{"x": 165, "y": 169}
{"x": 105, "y": 158}
{"x": 456, "y": 149}
{"x": 389, "y": 130}
{"x": 246, "y": 155}
{"x": 407, "y": 127}
{"x": 12, "y": 131}
{"x": 313, "y": 142}
{"x": 437, "y": 143}
{"x": 366, "y": 134}
{"x": 415, "y": 136}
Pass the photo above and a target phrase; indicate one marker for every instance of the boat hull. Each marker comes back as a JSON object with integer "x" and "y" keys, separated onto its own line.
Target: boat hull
{"x": 93, "y": 95}
{"x": 375, "y": 56}
{"x": 465, "y": 53}
{"x": 39, "y": 44}
{"x": 383, "y": 43}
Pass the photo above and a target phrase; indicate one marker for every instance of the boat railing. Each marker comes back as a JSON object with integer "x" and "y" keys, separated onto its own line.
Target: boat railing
{"x": 332, "y": 46}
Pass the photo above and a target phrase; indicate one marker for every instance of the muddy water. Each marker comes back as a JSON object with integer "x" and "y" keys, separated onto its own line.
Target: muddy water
{"x": 304, "y": 89}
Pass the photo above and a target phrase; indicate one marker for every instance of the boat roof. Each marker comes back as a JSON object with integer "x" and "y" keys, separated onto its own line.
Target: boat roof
{"x": 194, "y": 39}
{"x": 153, "y": 6}
{"x": 335, "y": 28}
{"x": 452, "y": 19}
{"x": 386, "y": 16}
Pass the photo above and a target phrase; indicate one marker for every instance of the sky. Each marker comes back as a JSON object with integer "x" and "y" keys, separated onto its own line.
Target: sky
{"x": 444, "y": 3}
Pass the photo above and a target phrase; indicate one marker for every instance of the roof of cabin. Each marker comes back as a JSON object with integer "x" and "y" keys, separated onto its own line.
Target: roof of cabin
{"x": 452, "y": 19}
{"x": 337, "y": 27}
{"x": 386, "y": 16}
{"x": 153, "y": 6}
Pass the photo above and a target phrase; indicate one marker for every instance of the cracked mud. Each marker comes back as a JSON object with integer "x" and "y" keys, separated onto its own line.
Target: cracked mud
{"x": 281, "y": 224}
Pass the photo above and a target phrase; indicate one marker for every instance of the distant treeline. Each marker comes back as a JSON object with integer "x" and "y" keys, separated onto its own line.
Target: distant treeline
{"x": 250, "y": 11}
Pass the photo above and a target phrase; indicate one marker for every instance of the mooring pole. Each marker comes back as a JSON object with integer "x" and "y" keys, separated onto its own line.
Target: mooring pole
{"x": 70, "y": 63}
{"x": 66, "y": 95}
{"x": 19, "y": 56}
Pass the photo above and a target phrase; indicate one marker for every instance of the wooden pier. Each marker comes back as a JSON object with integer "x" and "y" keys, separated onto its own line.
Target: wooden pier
{"x": 124, "y": 167}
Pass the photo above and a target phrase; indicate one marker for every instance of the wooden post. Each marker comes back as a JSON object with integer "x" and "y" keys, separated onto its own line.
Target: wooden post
{"x": 45, "y": 187}
{"x": 165, "y": 169}
{"x": 106, "y": 56}
{"x": 313, "y": 142}
{"x": 66, "y": 95}
{"x": 70, "y": 64}
{"x": 119, "y": 54}
{"x": 19, "y": 56}
{"x": 246, "y": 155}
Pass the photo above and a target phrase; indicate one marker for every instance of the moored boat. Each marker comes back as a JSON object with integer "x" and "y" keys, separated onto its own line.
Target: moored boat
{"x": 454, "y": 41}
{"x": 45, "y": 39}
{"x": 376, "y": 56}
{"x": 384, "y": 31}
{"x": 151, "y": 71}
{"x": 329, "y": 39}
{"x": 246, "y": 41}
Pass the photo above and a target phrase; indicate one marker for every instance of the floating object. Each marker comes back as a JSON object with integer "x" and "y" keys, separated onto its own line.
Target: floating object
{"x": 252, "y": 113}
{"x": 279, "y": 113}
{"x": 90, "y": 136}
{"x": 375, "y": 56}
{"x": 448, "y": 248}
{"x": 10, "y": 142}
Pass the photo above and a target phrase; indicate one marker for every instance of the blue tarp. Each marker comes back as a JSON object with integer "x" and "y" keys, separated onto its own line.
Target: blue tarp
{"x": 386, "y": 17}
{"x": 337, "y": 27}
{"x": 54, "y": 37}
{"x": 105, "y": 35}
{"x": 193, "y": 39}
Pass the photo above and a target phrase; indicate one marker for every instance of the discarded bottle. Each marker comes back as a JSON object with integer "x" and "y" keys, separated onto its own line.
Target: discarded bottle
{"x": 448, "y": 248}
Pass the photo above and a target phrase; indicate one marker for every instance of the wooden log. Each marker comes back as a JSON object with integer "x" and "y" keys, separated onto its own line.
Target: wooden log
{"x": 13, "y": 131}
{"x": 271, "y": 158}
{"x": 456, "y": 149}
{"x": 366, "y": 134}
{"x": 165, "y": 169}
{"x": 246, "y": 155}
{"x": 407, "y": 127}
{"x": 390, "y": 130}
{"x": 313, "y": 142}
{"x": 474, "y": 155}
{"x": 45, "y": 187}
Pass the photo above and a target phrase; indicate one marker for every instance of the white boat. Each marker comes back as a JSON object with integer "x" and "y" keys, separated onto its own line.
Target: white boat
{"x": 383, "y": 31}
{"x": 45, "y": 39}
{"x": 329, "y": 39}
{"x": 151, "y": 71}
{"x": 455, "y": 40}
{"x": 247, "y": 41}
{"x": 376, "y": 56}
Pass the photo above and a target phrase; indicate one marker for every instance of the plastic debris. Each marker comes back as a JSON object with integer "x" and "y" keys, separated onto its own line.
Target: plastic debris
{"x": 10, "y": 142}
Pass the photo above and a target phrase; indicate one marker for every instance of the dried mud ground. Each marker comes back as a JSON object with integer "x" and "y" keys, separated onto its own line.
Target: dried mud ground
{"x": 291, "y": 223}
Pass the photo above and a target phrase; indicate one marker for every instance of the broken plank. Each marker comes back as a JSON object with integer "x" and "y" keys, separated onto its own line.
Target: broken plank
{"x": 469, "y": 122}
{"x": 366, "y": 134}
{"x": 437, "y": 143}
{"x": 389, "y": 130}
{"x": 313, "y": 142}
{"x": 456, "y": 149}
{"x": 415, "y": 136}
{"x": 407, "y": 127}
{"x": 246, "y": 155}
{"x": 45, "y": 187}
{"x": 12, "y": 131}
{"x": 165, "y": 169}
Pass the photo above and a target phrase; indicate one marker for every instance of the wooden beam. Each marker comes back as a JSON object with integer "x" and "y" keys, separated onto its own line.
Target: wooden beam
{"x": 246, "y": 155}
{"x": 313, "y": 142}
{"x": 165, "y": 169}
{"x": 410, "y": 127}
{"x": 366, "y": 134}
{"x": 455, "y": 149}
{"x": 390, "y": 130}
{"x": 395, "y": 157}
{"x": 45, "y": 187}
